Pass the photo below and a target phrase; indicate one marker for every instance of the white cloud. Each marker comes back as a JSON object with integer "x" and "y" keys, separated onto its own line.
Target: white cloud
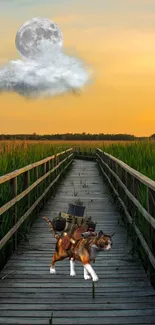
{"x": 52, "y": 73}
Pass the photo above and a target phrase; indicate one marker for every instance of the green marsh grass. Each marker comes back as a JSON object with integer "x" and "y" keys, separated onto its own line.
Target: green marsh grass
{"x": 138, "y": 155}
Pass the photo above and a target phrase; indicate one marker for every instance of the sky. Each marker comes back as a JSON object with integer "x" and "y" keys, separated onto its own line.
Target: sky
{"x": 116, "y": 39}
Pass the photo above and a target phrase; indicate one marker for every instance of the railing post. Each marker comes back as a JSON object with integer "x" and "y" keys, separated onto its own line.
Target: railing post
{"x": 117, "y": 173}
{"x": 45, "y": 181}
{"x": 126, "y": 184}
{"x": 25, "y": 186}
{"x": 151, "y": 232}
{"x": 14, "y": 190}
{"x": 36, "y": 190}
{"x": 135, "y": 186}
{"x": 96, "y": 153}
{"x": 56, "y": 162}
{"x": 64, "y": 157}
{"x": 44, "y": 168}
{"x": 74, "y": 152}
{"x": 48, "y": 167}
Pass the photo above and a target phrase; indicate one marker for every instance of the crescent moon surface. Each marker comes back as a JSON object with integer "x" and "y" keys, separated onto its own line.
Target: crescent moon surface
{"x": 45, "y": 70}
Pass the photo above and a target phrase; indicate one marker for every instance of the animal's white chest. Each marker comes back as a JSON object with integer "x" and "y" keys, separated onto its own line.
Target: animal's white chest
{"x": 94, "y": 252}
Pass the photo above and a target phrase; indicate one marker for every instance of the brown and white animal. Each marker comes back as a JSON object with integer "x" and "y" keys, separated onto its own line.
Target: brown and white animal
{"x": 84, "y": 249}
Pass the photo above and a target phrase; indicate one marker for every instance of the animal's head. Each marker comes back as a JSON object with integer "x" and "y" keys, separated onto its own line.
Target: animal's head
{"x": 104, "y": 242}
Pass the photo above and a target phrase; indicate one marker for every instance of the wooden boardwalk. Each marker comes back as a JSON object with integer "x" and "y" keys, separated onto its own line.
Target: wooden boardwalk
{"x": 29, "y": 293}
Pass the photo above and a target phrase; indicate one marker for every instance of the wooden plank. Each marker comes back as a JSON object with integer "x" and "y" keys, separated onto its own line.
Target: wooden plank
{"x": 110, "y": 277}
{"x": 113, "y": 303}
{"x": 75, "y": 321}
{"x": 42, "y": 264}
{"x": 80, "y": 313}
{"x": 53, "y": 294}
{"x": 65, "y": 284}
{"x": 80, "y": 320}
{"x": 113, "y": 268}
{"x": 79, "y": 290}
{"x": 38, "y": 256}
{"x": 77, "y": 305}
{"x": 45, "y": 272}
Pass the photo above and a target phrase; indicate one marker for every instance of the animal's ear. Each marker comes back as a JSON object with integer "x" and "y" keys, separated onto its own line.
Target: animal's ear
{"x": 100, "y": 234}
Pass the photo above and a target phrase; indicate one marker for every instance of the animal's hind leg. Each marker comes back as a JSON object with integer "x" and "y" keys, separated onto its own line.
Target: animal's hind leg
{"x": 56, "y": 257}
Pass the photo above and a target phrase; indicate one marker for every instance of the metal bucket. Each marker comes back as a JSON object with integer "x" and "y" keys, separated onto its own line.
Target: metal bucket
{"x": 76, "y": 210}
{"x": 59, "y": 223}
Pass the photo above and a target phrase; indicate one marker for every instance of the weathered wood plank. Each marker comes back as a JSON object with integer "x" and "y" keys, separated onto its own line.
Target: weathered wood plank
{"x": 80, "y": 313}
{"x": 65, "y": 284}
{"x": 27, "y": 306}
{"x": 108, "y": 280}
{"x": 52, "y": 294}
{"x": 80, "y": 288}
{"x": 80, "y": 320}
{"x": 106, "y": 300}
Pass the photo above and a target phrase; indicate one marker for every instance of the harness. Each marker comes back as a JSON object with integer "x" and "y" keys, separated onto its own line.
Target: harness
{"x": 73, "y": 243}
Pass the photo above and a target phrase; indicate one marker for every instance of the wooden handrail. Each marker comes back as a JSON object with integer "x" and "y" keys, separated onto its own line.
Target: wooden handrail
{"x": 146, "y": 215}
{"x": 4, "y": 240}
{"x": 127, "y": 184}
{"x": 22, "y": 170}
{"x": 62, "y": 161}
{"x": 142, "y": 178}
{"x": 138, "y": 232}
{"x": 17, "y": 198}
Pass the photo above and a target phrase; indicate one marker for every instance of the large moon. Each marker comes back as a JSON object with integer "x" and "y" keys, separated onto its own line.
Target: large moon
{"x": 36, "y": 35}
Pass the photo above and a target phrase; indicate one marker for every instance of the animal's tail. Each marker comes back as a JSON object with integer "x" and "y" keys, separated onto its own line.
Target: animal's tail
{"x": 51, "y": 227}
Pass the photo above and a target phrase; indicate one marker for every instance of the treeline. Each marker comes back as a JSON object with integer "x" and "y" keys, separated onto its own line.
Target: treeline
{"x": 68, "y": 136}
{"x": 73, "y": 136}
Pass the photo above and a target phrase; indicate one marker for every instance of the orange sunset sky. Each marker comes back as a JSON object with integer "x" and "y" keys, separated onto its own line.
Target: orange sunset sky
{"x": 116, "y": 38}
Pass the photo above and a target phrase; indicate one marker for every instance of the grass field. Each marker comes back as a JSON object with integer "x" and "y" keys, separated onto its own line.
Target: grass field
{"x": 16, "y": 154}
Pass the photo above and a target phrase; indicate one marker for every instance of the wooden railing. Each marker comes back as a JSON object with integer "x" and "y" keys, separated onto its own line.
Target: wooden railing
{"x": 28, "y": 186}
{"x": 136, "y": 195}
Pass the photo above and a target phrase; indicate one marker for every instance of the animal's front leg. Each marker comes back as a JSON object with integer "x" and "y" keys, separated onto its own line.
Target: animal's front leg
{"x": 85, "y": 259}
{"x": 90, "y": 270}
{"x": 86, "y": 274}
{"x": 72, "y": 267}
